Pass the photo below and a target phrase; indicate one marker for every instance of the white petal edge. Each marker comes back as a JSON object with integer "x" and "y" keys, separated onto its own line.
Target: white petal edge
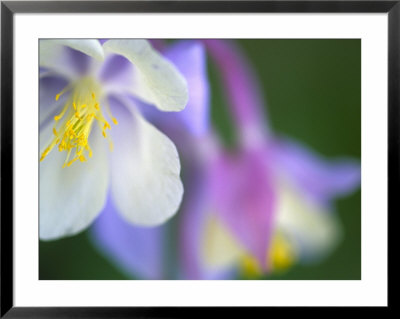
{"x": 157, "y": 81}
{"x": 91, "y": 47}
{"x": 311, "y": 229}
{"x": 70, "y": 198}
{"x": 145, "y": 181}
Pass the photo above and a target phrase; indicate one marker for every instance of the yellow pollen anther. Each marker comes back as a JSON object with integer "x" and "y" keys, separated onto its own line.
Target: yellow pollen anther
{"x": 54, "y": 131}
{"x": 71, "y": 161}
{"x": 46, "y": 151}
{"x": 114, "y": 121}
{"x": 67, "y": 88}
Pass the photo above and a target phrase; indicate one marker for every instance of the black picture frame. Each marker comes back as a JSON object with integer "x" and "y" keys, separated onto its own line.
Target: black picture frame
{"x": 9, "y": 8}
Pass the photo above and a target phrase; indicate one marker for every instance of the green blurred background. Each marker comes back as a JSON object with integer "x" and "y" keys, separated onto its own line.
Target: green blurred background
{"x": 313, "y": 94}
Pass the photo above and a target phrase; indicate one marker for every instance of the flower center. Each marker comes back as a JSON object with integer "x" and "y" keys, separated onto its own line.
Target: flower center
{"x": 75, "y": 122}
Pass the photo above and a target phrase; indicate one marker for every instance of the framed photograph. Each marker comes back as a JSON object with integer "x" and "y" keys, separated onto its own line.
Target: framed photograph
{"x": 158, "y": 156}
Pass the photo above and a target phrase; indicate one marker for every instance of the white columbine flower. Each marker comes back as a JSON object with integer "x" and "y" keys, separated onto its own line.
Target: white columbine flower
{"x": 93, "y": 139}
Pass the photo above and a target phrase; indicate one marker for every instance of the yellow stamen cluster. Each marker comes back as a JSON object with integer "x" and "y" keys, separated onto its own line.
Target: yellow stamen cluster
{"x": 281, "y": 255}
{"x": 74, "y": 124}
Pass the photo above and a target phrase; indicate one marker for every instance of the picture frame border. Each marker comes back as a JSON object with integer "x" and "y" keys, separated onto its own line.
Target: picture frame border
{"x": 9, "y": 8}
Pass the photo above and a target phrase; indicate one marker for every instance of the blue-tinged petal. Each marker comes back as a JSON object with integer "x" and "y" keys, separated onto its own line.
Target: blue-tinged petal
{"x": 190, "y": 59}
{"x": 117, "y": 74}
{"x": 200, "y": 242}
{"x": 69, "y": 58}
{"x": 157, "y": 81}
{"x": 193, "y": 219}
{"x": 138, "y": 251}
{"x": 146, "y": 185}
{"x": 49, "y": 86}
{"x": 70, "y": 197}
{"x": 318, "y": 178}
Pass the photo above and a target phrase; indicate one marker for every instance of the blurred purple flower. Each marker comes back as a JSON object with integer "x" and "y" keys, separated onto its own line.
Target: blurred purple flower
{"x": 272, "y": 196}
{"x": 81, "y": 81}
{"x": 260, "y": 208}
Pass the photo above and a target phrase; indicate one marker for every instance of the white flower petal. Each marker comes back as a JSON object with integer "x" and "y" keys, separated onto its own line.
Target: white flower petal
{"x": 146, "y": 186}
{"x": 71, "y": 197}
{"x": 157, "y": 81}
{"x": 53, "y": 54}
{"x": 312, "y": 230}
